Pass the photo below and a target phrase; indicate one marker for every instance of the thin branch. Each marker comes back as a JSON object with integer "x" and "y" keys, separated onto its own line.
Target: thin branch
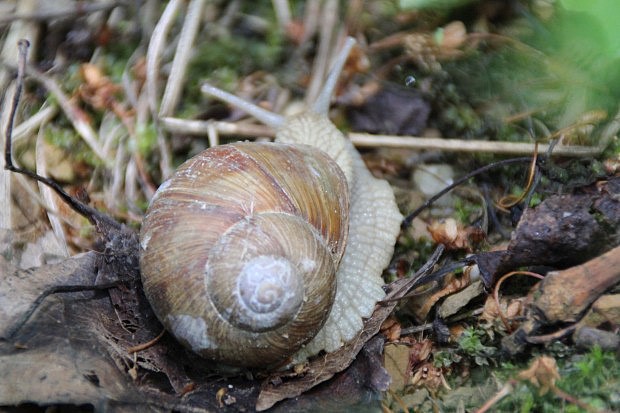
{"x": 74, "y": 115}
{"x": 56, "y": 289}
{"x": 409, "y": 218}
{"x": 103, "y": 222}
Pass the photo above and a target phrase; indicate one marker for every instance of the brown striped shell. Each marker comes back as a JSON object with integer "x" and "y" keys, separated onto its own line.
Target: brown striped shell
{"x": 239, "y": 250}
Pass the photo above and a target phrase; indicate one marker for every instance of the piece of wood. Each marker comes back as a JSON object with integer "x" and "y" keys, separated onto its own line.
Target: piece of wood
{"x": 565, "y": 295}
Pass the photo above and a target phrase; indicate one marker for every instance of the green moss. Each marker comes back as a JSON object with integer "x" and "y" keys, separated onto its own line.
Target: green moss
{"x": 223, "y": 59}
{"x": 67, "y": 139}
{"x": 466, "y": 211}
{"x": 592, "y": 378}
{"x": 146, "y": 138}
{"x": 472, "y": 344}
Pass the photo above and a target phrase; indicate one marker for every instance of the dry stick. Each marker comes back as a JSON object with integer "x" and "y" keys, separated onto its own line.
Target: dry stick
{"x": 366, "y": 140}
{"x": 201, "y": 127}
{"x": 509, "y": 201}
{"x": 312, "y": 12}
{"x": 458, "y": 145}
{"x": 34, "y": 122}
{"x": 49, "y": 201}
{"x": 56, "y": 289}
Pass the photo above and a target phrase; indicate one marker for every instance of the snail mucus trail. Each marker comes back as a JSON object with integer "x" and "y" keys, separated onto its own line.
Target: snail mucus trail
{"x": 263, "y": 254}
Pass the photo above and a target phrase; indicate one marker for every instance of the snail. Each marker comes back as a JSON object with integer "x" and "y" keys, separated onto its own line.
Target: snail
{"x": 266, "y": 254}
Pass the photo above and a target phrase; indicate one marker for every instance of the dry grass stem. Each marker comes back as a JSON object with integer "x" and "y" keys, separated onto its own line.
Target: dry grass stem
{"x": 283, "y": 13}
{"x": 176, "y": 78}
{"x": 52, "y": 13}
{"x": 72, "y": 112}
{"x": 49, "y": 199}
{"x": 18, "y": 30}
{"x": 29, "y": 126}
{"x": 153, "y": 59}
{"x": 329, "y": 16}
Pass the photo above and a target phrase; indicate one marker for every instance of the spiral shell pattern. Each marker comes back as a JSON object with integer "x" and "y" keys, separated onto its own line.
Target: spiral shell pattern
{"x": 240, "y": 249}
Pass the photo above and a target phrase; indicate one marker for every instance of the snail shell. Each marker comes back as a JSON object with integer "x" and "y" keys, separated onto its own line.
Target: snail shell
{"x": 305, "y": 212}
{"x": 261, "y": 229}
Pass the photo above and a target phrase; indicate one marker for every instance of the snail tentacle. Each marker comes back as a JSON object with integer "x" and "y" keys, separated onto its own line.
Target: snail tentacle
{"x": 268, "y": 118}
{"x": 321, "y": 105}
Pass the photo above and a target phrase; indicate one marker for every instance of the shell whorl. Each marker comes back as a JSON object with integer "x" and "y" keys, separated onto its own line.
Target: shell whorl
{"x": 240, "y": 249}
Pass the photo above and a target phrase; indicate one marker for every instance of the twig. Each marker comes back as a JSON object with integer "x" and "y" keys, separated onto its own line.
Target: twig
{"x": 509, "y": 201}
{"x": 409, "y": 218}
{"x": 458, "y": 145}
{"x": 34, "y": 122}
{"x": 503, "y": 392}
{"x": 56, "y": 289}
{"x": 47, "y": 197}
{"x": 103, "y": 222}
{"x": 556, "y": 335}
{"x": 366, "y": 140}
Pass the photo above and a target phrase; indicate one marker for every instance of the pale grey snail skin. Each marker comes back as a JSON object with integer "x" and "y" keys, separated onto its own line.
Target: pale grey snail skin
{"x": 312, "y": 187}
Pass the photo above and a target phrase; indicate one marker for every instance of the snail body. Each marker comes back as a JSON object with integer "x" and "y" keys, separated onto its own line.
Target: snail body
{"x": 263, "y": 254}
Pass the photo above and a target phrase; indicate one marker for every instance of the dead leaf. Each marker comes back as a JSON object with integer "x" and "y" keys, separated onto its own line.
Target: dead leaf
{"x": 454, "y": 235}
{"x": 422, "y": 304}
{"x": 397, "y": 365}
{"x": 542, "y": 373}
{"x": 455, "y": 302}
{"x": 511, "y": 307}
{"x": 391, "y": 329}
{"x": 430, "y": 377}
